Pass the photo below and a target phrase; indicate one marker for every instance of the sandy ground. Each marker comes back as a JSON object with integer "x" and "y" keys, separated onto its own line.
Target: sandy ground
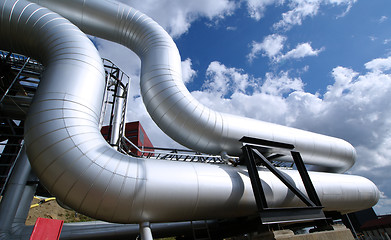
{"x": 52, "y": 210}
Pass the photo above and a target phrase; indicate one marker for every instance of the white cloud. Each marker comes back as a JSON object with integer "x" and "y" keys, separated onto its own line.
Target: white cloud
{"x": 383, "y": 19}
{"x": 379, "y": 64}
{"x": 223, "y": 81}
{"x": 343, "y": 78}
{"x": 271, "y": 46}
{"x": 231, "y": 28}
{"x": 233, "y": 91}
{"x": 124, "y": 58}
{"x": 302, "y": 50}
{"x": 187, "y": 72}
{"x": 348, "y": 3}
{"x": 257, "y": 8}
{"x": 301, "y": 9}
{"x": 176, "y": 16}
{"x": 281, "y": 84}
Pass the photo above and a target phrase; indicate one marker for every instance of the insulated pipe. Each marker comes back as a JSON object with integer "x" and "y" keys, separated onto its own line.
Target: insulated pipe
{"x": 71, "y": 158}
{"x": 171, "y": 105}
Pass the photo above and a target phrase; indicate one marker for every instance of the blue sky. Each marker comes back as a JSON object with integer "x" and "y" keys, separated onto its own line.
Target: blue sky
{"x": 319, "y": 65}
{"x": 351, "y": 41}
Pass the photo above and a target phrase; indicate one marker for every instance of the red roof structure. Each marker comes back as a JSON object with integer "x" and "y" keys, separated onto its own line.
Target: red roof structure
{"x": 135, "y": 132}
{"x": 381, "y": 222}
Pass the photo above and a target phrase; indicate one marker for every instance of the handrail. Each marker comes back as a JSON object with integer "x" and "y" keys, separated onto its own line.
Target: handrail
{"x": 178, "y": 156}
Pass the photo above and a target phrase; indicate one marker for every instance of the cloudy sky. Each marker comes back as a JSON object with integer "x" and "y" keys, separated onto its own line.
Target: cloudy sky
{"x": 319, "y": 65}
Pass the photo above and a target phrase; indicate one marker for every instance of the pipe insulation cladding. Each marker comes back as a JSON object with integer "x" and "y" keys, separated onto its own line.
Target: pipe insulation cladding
{"x": 171, "y": 105}
{"x": 73, "y": 161}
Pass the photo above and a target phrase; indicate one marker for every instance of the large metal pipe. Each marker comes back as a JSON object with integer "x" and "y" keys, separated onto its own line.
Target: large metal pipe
{"x": 171, "y": 105}
{"x": 71, "y": 158}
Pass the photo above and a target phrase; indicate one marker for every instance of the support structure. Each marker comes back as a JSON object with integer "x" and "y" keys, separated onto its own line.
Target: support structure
{"x": 254, "y": 151}
{"x": 12, "y": 204}
{"x": 19, "y": 77}
{"x": 145, "y": 231}
{"x": 117, "y": 83}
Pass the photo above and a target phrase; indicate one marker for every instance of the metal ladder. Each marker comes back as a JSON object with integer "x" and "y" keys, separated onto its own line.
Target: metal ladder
{"x": 11, "y": 136}
{"x": 19, "y": 77}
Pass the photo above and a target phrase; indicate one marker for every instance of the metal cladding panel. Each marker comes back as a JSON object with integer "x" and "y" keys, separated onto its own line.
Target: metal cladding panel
{"x": 76, "y": 164}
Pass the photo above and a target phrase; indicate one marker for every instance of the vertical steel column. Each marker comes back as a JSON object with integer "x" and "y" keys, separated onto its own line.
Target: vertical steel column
{"x": 256, "y": 183}
{"x": 352, "y": 227}
{"x": 14, "y": 191}
{"x": 123, "y": 115}
{"x": 25, "y": 202}
{"x": 309, "y": 186}
{"x": 118, "y": 107}
{"x": 104, "y": 102}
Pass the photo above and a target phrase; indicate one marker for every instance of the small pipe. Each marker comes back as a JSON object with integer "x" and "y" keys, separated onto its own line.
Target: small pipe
{"x": 145, "y": 231}
{"x": 229, "y": 159}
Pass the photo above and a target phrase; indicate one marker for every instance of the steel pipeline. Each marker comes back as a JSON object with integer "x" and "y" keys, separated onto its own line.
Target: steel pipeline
{"x": 72, "y": 160}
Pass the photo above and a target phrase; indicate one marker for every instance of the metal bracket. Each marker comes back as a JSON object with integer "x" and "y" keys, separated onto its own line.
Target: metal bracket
{"x": 313, "y": 211}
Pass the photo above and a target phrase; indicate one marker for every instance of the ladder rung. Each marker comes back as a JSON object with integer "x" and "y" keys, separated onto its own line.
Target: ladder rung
{"x": 8, "y": 154}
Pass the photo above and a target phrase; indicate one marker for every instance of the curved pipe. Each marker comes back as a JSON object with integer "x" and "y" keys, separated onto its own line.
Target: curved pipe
{"x": 71, "y": 158}
{"x": 171, "y": 105}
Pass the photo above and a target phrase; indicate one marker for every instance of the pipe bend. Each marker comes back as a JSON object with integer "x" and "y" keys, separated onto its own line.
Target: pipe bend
{"x": 171, "y": 105}
{"x": 71, "y": 158}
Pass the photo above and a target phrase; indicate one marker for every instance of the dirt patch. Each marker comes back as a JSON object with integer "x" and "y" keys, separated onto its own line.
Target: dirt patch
{"x": 53, "y": 210}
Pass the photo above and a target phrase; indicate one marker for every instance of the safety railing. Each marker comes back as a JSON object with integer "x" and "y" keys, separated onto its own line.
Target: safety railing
{"x": 168, "y": 154}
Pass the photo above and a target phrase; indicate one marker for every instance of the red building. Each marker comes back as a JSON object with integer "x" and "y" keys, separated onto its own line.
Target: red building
{"x": 136, "y": 134}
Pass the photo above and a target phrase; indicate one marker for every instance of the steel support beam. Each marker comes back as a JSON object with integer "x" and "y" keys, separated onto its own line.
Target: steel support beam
{"x": 309, "y": 187}
{"x": 284, "y": 179}
{"x": 259, "y": 193}
{"x": 252, "y": 154}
